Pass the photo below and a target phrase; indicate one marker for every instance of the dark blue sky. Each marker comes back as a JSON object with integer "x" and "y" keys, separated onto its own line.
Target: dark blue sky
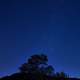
{"x": 34, "y": 26}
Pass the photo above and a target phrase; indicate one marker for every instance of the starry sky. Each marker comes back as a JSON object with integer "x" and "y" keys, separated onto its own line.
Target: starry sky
{"x": 28, "y": 27}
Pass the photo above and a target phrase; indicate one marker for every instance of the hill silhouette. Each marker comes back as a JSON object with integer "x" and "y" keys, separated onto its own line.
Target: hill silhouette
{"x": 36, "y": 68}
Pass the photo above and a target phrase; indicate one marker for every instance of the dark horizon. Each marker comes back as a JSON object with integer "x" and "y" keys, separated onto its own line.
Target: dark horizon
{"x": 54, "y": 73}
{"x": 40, "y": 26}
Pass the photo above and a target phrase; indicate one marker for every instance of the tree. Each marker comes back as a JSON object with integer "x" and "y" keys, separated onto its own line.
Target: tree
{"x": 37, "y": 64}
{"x": 49, "y": 70}
{"x": 38, "y": 59}
{"x": 61, "y": 75}
{"x": 28, "y": 68}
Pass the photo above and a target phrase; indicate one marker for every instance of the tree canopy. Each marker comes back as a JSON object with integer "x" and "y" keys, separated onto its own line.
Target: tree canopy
{"x": 38, "y": 64}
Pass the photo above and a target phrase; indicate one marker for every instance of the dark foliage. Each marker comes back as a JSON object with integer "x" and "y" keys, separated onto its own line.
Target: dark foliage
{"x": 37, "y": 69}
{"x": 37, "y": 64}
{"x": 23, "y": 76}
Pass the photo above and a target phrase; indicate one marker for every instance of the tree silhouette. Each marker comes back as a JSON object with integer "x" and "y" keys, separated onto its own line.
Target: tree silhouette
{"x": 37, "y": 64}
{"x": 36, "y": 68}
{"x": 49, "y": 70}
{"x": 38, "y": 59}
{"x": 61, "y": 75}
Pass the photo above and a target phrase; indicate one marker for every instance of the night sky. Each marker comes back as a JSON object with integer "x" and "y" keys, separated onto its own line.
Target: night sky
{"x": 40, "y": 26}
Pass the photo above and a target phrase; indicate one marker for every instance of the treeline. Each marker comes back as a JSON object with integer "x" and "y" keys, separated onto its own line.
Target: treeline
{"x": 37, "y": 68}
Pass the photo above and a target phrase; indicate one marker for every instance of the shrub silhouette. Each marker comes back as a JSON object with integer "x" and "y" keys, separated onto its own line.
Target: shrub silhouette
{"x": 37, "y": 64}
{"x": 61, "y": 75}
{"x": 36, "y": 68}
